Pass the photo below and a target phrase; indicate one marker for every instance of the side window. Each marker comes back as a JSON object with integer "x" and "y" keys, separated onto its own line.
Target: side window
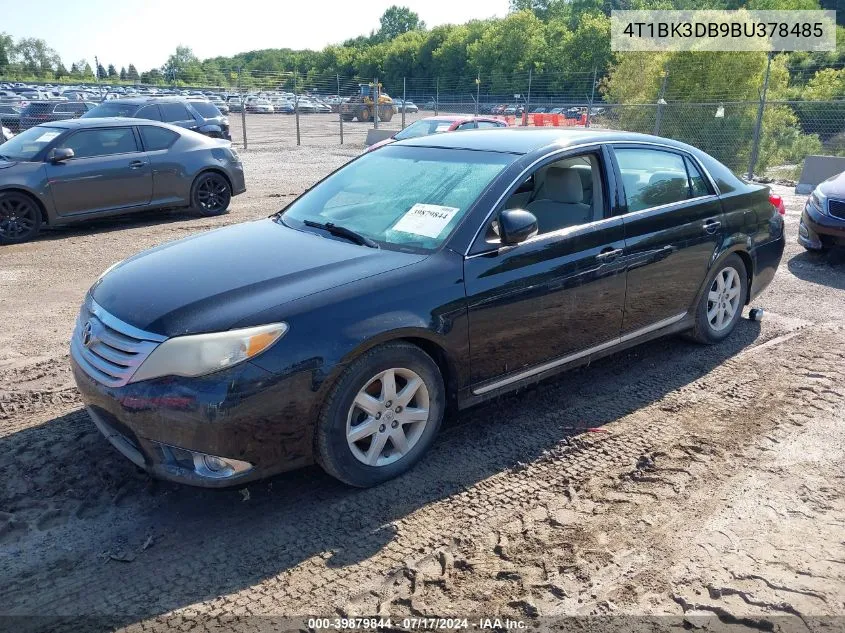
{"x": 562, "y": 194}
{"x": 482, "y": 125}
{"x": 698, "y": 185}
{"x": 102, "y": 142}
{"x": 63, "y": 108}
{"x": 149, "y": 112}
{"x": 469, "y": 125}
{"x": 156, "y": 138}
{"x": 174, "y": 112}
{"x": 652, "y": 177}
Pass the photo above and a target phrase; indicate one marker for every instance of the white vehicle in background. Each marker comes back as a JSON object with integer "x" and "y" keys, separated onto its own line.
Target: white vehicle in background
{"x": 258, "y": 105}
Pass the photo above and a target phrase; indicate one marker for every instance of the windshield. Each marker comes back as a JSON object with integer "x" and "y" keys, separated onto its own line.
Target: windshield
{"x": 409, "y": 198}
{"x": 112, "y": 108}
{"x": 206, "y": 109}
{"x": 423, "y": 128}
{"x": 27, "y": 144}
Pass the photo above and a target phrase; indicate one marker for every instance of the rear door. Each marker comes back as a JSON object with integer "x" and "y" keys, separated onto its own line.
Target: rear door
{"x": 673, "y": 227}
{"x": 109, "y": 171}
{"x": 177, "y": 114}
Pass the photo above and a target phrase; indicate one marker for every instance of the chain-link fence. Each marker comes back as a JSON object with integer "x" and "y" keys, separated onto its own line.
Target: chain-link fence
{"x": 757, "y": 114}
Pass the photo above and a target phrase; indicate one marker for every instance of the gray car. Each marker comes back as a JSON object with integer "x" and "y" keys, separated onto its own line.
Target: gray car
{"x": 69, "y": 171}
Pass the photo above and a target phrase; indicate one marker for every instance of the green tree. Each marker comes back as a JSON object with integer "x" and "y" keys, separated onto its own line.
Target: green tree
{"x": 183, "y": 66}
{"x": 61, "y": 71}
{"x": 122, "y": 73}
{"x": 396, "y": 21}
{"x": 132, "y": 73}
{"x": 101, "y": 72}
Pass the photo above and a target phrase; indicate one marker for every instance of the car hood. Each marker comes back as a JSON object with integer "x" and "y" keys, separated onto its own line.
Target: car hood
{"x": 212, "y": 281}
{"x": 834, "y": 186}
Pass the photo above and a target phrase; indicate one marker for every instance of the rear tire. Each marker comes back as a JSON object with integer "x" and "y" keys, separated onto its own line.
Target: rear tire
{"x": 211, "y": 194}
{"x": 720, "y": 306}
{"x": 364, "y": 114}
{"x": 20, "y": 218}
{"x": 381, "y": 416}
{"x": 387, "y": 114}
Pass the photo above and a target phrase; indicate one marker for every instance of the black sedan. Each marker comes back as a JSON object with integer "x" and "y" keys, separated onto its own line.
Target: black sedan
{"x": 202, "y": 117}
{"x": 70, "y": 171}
{"x": 37, "y": 112}
{"x": 434, "y": 273}
{"x": 823, "y": 219}
{"x": 10, "y": 116}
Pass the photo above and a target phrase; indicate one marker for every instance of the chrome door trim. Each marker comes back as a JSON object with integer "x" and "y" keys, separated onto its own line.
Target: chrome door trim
{"x": 539, "y": 369}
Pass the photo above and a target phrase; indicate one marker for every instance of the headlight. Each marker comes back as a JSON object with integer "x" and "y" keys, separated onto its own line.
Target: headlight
{"x": 206, "y": 353}
{"x": 819, "y": 200}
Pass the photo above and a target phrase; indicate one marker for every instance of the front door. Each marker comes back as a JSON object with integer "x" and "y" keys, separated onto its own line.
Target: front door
{"x": 108, "y": 171}
{"x": 556, "y": 294}
{"x": 673, "y": 227}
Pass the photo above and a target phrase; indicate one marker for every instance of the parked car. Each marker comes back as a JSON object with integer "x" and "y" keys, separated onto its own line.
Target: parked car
{"x": 341, "y": 329}
{"x": 572, "y": 113}
{"x": 439, "y": 124}
{"x": 409, "y": 106}
{"x": 220, "y": 104}
{"x": 7, "y": 133}
{"x": 37, "y": 112}
{"x": 540, "y": 110}
{"x": 200, "y": 117}
{"x": 259, "y": 106}
{"x": 822, "y": 222}
{"x": 137, "y": 164}
{"x": 10, "y": 116}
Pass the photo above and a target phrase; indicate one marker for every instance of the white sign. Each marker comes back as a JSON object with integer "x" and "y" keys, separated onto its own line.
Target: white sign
{"x": 47, "y": 137}
{"x": 426, "y": 219}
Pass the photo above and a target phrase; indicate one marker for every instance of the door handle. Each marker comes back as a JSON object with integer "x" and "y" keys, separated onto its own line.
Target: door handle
{"x": 136, "y": 164}
{"x": 609, "y": 254}
{"x": 711, "y": 225}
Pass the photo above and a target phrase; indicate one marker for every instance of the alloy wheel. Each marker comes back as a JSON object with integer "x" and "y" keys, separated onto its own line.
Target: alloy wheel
{"x": 387, "y": 417}
{"x": 18, "y": 218}
{"x": 213, "y": 194}
{"x": 723, "y": 299}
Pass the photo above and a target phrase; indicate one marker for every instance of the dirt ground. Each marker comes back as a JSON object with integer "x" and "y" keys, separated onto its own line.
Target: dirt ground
{"x": 676, "y": 480}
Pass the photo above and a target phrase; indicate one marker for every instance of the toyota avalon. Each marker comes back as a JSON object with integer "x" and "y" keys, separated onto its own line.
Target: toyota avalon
{"x": 430, "y": 275}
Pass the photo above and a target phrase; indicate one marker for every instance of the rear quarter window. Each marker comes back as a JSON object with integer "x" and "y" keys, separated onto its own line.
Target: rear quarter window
{"x": 157, "y": 138}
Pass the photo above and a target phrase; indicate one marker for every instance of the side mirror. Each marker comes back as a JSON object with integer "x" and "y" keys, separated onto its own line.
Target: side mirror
{"x": 61, "y": 154}
{"x": 516, "y": 225}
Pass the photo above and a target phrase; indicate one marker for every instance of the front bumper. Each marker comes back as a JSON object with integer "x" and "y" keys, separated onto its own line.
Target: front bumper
{"x": 244, "y": 413}
{"x": 817, "y": 230}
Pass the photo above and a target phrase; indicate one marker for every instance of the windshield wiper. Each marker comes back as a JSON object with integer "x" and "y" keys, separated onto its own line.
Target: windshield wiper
{"x": 342, "y": 231}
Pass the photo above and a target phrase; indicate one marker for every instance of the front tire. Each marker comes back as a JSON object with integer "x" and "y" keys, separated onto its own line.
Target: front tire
{"x": 20, "y": 218}
{"x": 211, "y": 194}
{"x": 381, "y": 416}
{"x": 720, "y": 306}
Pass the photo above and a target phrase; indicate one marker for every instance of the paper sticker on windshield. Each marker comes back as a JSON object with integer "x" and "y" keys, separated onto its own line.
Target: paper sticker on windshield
{"x": 426, "y": 219}
{"x": 47, "y": 137}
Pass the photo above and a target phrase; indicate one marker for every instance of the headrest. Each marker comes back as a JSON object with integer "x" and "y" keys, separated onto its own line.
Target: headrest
{"x": 563, "y": 185}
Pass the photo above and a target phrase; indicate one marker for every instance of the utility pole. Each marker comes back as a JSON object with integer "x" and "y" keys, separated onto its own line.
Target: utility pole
{"x": 437, "y": 96}
{"x": 404, "y": 99}
{"x": 97, "y": 69}
{"x": 296, "y": 105}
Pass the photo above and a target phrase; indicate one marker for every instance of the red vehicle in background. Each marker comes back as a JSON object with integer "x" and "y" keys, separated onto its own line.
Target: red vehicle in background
{"x": 438, "y": 124}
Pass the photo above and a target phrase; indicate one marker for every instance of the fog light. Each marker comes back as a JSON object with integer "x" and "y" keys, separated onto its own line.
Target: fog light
{"x": 802, "y": 230}
{"x": 215, "y": 467}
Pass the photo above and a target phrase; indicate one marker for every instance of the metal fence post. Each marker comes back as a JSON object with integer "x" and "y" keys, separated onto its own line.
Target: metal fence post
{"x": 758, "y": 127}
{"x": 375, "y": 103}
{"x": 243, "y": 107}
{"x": 477, "y": 91}
{"x": 296, "y": 106}
{"x": 339, "y": 109}
{"x": 436, "y": 95}
{"x": 527, "y": 100}
{"x": 660, "y": 103}
{"x": 592, "y": 98}
{"x": 404, "y": 99}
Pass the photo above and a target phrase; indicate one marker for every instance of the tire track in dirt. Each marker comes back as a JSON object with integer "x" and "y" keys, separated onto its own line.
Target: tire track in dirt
{"x": 429, "y": 518}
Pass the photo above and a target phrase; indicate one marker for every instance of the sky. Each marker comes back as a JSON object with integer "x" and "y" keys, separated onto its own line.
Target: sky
{"x": 145, "y": 32}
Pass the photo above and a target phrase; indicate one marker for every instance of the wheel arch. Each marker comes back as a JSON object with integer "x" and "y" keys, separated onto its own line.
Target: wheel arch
{"x": 42, "y": 208}
{"x": 740, "y": 249}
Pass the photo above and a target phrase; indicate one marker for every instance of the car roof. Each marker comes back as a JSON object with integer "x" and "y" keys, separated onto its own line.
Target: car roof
{"x": 146, "y": 100}
{"x": 523, "y": 140}
{"x": 105, "y": 122}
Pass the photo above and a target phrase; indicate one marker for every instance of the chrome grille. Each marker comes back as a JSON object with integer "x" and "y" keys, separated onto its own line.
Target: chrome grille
{"x": 108, "y": 349}
{"x": 836, "y": 208}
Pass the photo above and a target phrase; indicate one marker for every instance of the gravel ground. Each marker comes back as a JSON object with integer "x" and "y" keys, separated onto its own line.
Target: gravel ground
{"x": 670, "y": 480}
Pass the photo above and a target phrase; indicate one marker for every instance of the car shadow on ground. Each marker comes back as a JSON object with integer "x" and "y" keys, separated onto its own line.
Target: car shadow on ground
{"x": 117, "y": 223}
{"x": 188, "y": 545}
{"x": 826, "y": 268}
